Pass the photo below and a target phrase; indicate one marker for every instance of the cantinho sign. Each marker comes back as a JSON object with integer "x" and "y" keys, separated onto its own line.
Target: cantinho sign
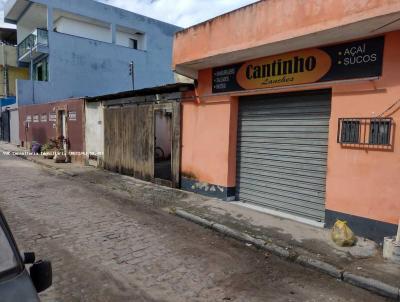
{"x": 360, "y": 59}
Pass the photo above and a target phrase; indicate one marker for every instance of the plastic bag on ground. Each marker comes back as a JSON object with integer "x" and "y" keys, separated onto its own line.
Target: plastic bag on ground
{"x": 342, "y": 235}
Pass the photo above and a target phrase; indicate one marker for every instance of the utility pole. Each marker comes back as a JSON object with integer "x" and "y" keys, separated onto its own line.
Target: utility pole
{"x": 132, "y": 73}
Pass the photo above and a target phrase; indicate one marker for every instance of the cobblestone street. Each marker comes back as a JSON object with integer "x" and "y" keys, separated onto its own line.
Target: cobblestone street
{"x": 105, "y": 246}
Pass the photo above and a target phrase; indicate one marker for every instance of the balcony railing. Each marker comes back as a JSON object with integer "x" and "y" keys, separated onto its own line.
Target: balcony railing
{"x": 39, "y": 37}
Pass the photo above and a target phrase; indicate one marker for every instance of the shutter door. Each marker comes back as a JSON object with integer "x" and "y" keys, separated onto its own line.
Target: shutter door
{"x": 282, "y": 152}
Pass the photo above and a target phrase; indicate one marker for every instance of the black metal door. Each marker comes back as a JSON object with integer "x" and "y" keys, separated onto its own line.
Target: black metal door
{"x": 5, "y": 126}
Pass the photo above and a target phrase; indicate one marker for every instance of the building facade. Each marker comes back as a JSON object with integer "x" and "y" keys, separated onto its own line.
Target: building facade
{"x": 296, "y": 113}
{"x": 65, "y": 118}
{"x": 84, "y": 48}
{"x": 138, "y": 132}
{"x": 10, "y": 72}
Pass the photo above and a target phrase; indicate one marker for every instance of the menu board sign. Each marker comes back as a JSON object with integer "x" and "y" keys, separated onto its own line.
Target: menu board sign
{"x": 359, "y": 59}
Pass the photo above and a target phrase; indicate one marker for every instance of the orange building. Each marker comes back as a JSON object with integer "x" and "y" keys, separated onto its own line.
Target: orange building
{"x": 296, "y": 110}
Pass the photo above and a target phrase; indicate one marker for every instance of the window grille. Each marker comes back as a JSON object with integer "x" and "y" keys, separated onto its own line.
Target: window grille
{"x": 365, "y": 131}
{"x": 379, "y": 132}
{"x": 350, "y": 131}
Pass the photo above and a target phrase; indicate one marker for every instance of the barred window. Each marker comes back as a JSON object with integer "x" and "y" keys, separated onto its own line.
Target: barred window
{"x": 366, "y": 131}
{"x": 379, "y": 133}
{"x": 350, "y": 132}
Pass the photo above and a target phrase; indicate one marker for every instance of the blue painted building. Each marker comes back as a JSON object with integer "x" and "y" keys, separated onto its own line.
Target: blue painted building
{"x": 78, "y": 48}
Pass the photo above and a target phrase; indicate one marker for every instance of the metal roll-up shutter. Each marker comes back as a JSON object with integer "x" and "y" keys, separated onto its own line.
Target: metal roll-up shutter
{"x": 282, "y": 152}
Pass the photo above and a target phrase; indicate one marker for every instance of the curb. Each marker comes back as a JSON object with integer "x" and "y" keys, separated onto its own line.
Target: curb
{"x": 372, "y": 285}
{"x": 320, "y": 266}
{"x": 369, "y": 284}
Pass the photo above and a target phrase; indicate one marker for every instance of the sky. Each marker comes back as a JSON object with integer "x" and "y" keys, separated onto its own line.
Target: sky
{"x": 2, "y": 24}
{"x": 183, "y": 13}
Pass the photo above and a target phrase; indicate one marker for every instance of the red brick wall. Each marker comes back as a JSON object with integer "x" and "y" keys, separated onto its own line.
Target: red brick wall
{"x": 43, "y": 131}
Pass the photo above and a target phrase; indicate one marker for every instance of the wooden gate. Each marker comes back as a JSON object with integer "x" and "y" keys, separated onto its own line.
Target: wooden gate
{"x": 129, "y": 140}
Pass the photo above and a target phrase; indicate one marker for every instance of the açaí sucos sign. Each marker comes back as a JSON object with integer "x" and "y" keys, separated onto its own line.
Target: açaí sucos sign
{"x": 360, "y": 59}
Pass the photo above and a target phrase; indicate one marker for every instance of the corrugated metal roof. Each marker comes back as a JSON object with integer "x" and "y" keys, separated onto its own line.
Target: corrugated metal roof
{"x": 170, "y": 88}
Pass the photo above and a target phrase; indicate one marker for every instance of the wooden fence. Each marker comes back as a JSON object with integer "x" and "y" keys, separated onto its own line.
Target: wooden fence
{"x": 129, "y": 140}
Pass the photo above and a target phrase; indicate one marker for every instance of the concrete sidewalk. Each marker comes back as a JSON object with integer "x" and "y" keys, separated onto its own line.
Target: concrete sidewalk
{"x": 66, "y": 168}
{"x": 361, "y": 265}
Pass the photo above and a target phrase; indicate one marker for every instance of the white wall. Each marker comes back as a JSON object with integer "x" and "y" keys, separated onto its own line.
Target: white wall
{"x": 94, "y": 133}
{"x": 96, "y": 32}
{"x": 35, "y": 17}
{"x": 10, "y": 55}
{"x": 23, "y": 32}
{"x": 14, "y": 127}
{"x": 123, "y": 39}
{"x": 83, "y": 29}
{"x": 163, "y": 132}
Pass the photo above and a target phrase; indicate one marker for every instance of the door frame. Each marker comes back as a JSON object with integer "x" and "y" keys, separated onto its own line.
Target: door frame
{"x": 175, "y": 108}
{"x": 62, "y": 124}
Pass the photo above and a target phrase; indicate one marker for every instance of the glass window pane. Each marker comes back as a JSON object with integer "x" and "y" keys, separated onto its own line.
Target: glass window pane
{"x": 350, "y": 132}
{"x": 379, "y": 133}
{"x": 41, "y": 70}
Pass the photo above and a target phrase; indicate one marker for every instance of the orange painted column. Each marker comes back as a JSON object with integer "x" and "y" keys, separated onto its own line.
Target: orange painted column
{"x": 209, "y": 129}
